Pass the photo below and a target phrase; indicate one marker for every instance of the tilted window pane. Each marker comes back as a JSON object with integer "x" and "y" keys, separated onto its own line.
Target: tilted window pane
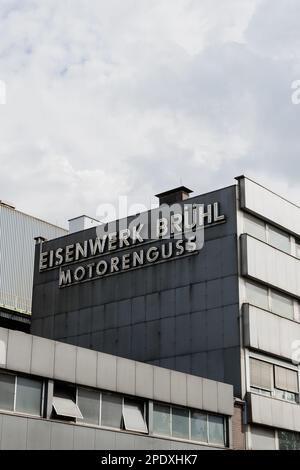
{"x": 180, "y": 423}
{"x": 279, "y": 239}
{"x": 216, "y": 432}
{"x": 288, "y": 440}
{"x": 111, "y": 410}
{"x": 133, "y": 415}
{"x": 257, "y": 295}
{"x": 161, "y": 419}
{"x": 89, "y": 405}
{"x": 7, "y": 391}
{"x": 286, "y": 379}
{"x": 261, "y": 374}
{"x": 66, "y": 408}
{"x": 282, "y": 304}
{"x": 199, "y": 426}
{"x": 29, "y": 396}
{"x": 254, "y": 227}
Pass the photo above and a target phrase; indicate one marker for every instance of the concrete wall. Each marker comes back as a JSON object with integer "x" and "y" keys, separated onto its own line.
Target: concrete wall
{"x": 182, "y": 314}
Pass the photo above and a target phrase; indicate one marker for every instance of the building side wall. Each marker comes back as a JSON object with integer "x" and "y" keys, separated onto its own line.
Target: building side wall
{"x": 181, "y": 314}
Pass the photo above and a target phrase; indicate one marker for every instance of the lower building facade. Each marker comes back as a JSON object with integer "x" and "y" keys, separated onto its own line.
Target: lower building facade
{"x": 58, "y": 396}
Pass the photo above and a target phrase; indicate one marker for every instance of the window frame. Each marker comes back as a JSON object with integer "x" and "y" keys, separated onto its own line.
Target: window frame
{"x": 14, "y": 410}
{"x": 273, "y": 362}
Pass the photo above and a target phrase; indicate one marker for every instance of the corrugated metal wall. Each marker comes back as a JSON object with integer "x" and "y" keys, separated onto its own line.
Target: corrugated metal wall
{"x": 17, "y": 232}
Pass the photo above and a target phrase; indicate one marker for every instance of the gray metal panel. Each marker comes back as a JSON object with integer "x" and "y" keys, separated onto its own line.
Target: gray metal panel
{"x": 84, "y": 438}
{"x": 270, "y": 206}
{"x": 38, "y": 435}
{"x": 105, "y": 440}
{"x": 282, "y": 336}
{"x": 262, "y": 438}
{"x": 17, "y": 247}
{"x": 144, "y": 380}
{"x": 62, "y": 436}
{"x": 277, "y": 413}
{"x": 194, "y": 392}
{"x": 19, "y": 351}
{"x": 125, "y": 376}
{"x": 14, "y": 433}
{"x": 42, "y": 361}
{"x": 65, "y": 362}
{"x": 86, "y": 367}
{"x": 178, "y": 388}
{"x": 3, "y": 346}
{"x": 162, "y": 384}
{"x": 210, "y": 395}
{"x": 269, "y": 265}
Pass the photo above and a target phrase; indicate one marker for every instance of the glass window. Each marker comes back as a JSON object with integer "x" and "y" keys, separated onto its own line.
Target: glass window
{"x": 133, "y": 415}
{"x": 288, "y": 440}
{"x": 180, "y": 423}
{"x": 111, "y": 410}
{"x": 279, "y": 239}
{"x": 286, "y": 379}
{"x": 254, "y": 227}
{"x": 216, "y": 434}
{"x": 199, "y": 426}
{"x": 161, "y": 419}
{"x": 261, "y": 374}
{"x": 89, "y": 405}
{"x": 282, "y": 304}
{"x": 257, "y": 295}
{"x": 7, "y": 391}
{"x": 29, "y": 396}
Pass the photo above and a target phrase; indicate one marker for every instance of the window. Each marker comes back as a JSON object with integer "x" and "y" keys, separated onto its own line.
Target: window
{"x": 133, "y": 416}
{"x": 29, "y": 396}
{"x": 261, "y": 374}
{"x": 21, "y": 394}
{"x": 66, "y": 408}
{"x": 257, "y": 295}
{"x": 161, "y": 419}
{"x": 286, "y": 379}
{"x": 255, "y": 227}
{"x": 216, "y": 430}
{"x": 189, "y": 424}
{"x": 180, "y": 423}
{"x": 279, "y": 239}
{"x": 288, "y": 440}
{"x": 272, "y": 380}
{"x": 89, "y": 404}
{"x": 64, "y": 402}
{"x": 199, "y": 426}
{"x": 282, "y": 304}
{"x": 7, "y": 391}
{"x": 111, "y": 410}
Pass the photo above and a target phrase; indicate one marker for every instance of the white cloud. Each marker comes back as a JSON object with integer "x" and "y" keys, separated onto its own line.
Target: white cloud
{"x": 132, "y": 97}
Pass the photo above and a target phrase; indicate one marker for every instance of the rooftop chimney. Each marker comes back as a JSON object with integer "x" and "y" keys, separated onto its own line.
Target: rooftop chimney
{"x": 174, "y": 195}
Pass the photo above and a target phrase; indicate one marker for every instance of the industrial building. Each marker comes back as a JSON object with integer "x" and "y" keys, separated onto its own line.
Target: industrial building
{"x": 17, "y": 233}
{"x": 227, "y": 311}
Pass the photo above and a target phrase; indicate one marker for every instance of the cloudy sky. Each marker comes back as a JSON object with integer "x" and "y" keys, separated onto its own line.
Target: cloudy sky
{"x": 132, "y": 97}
